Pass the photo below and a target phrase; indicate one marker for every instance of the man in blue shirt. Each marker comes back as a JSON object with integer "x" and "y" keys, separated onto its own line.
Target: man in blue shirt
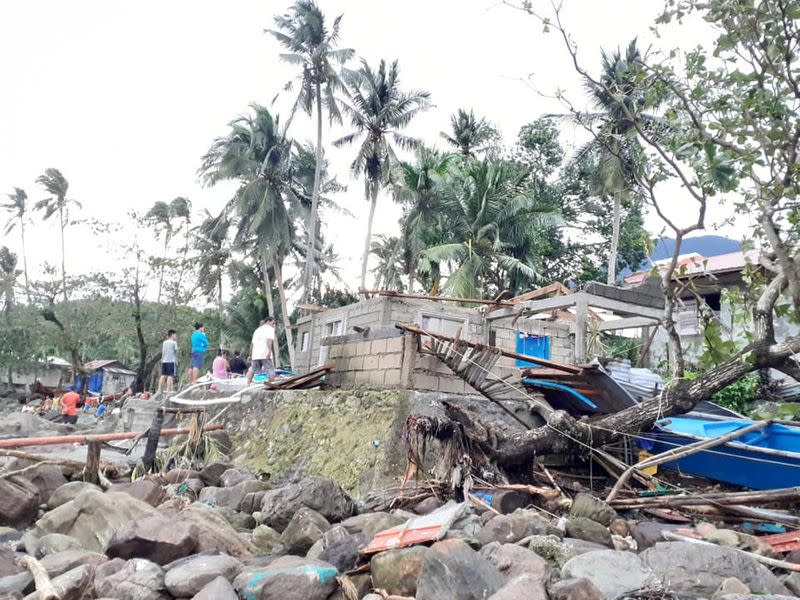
{"x": 199, "y": 347}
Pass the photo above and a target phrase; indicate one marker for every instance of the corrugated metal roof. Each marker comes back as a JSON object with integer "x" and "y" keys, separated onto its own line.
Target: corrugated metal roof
{"x": 94, "y": 365}
{"x": 697, "y": 264}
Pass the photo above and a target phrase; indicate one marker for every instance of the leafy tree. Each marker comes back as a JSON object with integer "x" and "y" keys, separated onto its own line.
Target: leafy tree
{"x": 8, "y": 278}
{"x": 470, "y": 135}
{"x": 389, "y": 270}
{"x": 378, "y": 109}
{"x": 211, "y": 244}
{"x": 18, "y": 209}
{"x": 162, "y": 216}
{"x": 312, "y": 48}
{"x": 57, "y": 185}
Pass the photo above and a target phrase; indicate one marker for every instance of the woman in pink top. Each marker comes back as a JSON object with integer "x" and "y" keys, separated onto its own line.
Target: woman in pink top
{"x": 220, "y": 368}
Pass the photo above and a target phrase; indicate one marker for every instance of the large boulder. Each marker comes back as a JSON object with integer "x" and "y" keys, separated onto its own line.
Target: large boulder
{"x": 61, "y": 562}
{"x": 552, "y": 549}
{"x": 508, "y": 529}
{"x": 232, "y": 496}
{"x": 145, "y": 490}
{"x": 649, "y": 533}
{"x": 699, "y": 569}
{"x": 574, "y": 589}
{"x": 590, "y": 531}
{"x": 321, "y": 494}
{"x": 93, "y": 517}
{"x": 188, "y": 576}
{"x": 288, "y": 578}
{"x": 371, "y": 523}
{"x": 523, "y": 587}
{"x": 305, "y": 528}
{"x": 214, "y": 533}
{"x": 19, "y": 502}
{"x": 46, "y": 479}
{"x": 233, "y": 477}
{"x": 265, "y": 538}
{"x": 217, "y": 589}
{"x": 397, "y": 571}
{"x": 69, "y": 491}
{"x": 587, "y": 506}
{"x": 611, "y": 571}
{"x": 342, "y": 552}
{"x": 212, "y": 472}
{"x": 72, "y": 585}
{"x": 55, "y": 542}
{"x": 180, "y": 475}
{"x": 156, "y": 538}
{"x": 13, "y": 586}
{"x": 454, "y": 571}
{"x": 136, "y": 579}
{"x": 513, "y": 561}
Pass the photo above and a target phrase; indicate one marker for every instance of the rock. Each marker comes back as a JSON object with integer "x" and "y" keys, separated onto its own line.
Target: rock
{"x": 332, "y": 536}
{"x": 72, "y": 585}
{"x": 155, "y": 538}
{"x": 469, "y": 525}
{"x": 649, "y": 533}
{"x": 793, "y": 582}
{"x": 61, "y": 562}
{"x": 55, "y": 542}
{"x": 288, "y": 578}
{"x": 508, "y": 529}
{"x": 16, "y": 585}
{"x": 136, "y": 579}
{"x": 574, "y": 589}
{"x": 216, "y": 589}
{"x": 372, "y": 523}
{"x": 523, "y": 587}
{"x": 46, "y": 479}
{"x": 611, "y": 571}
{"x": 452, "y": 570}
{"x": 9, "y": 534}
{"x": 265, "y": 538}
{"x": 214, "y": 533}
{"x": 69, "y": 491}
{"x": 93, "y": 517}
{"x": 426, "y": 506}
{"x": 181, "y": 475}
{"x": 342, "y": 553}
{"x": 362, "y": 582}
{"x": 188, "y": 576}
{"x": 231, "y": 477}
{"x": 317, "y": 493}
{"x": 554, "y": 551}
{"x": 513, "y": 561}
{"x": 19, "y": 502}
{"x": 8, "y": 563}
{"x": 731, "y": 585}
{"x": 145, "y": 490}
{"x": 212, "y": 472}
{"x": 589, "y": 507}
{"x": 231, "y": 496}
{"x": 723, "y": 537}
{"x": 238, "y": 520}
{"x": 582, "y": 546}
{"x": 251, "y": 502}
{"x": 619, "y": 527}
{"x": 305, "y": 528}
{"x": 689, "y": 568}
{"x": 588, "y": 530}
{"x": 396, "y": 571}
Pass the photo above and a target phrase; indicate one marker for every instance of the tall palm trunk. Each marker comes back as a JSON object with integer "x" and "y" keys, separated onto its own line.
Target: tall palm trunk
{"x": 277, "y": 268}
{"x": 270, "y": 301}
{"x": 25, "y": 260}
{"x": 367, "y": 242}
{"x": 163, "y": 264}
{"x": 308, "y": 276}
{"x": 220, "y": 310}
{"x": 63, "y": 259}
{"x": 184, "y": 263}
{"x": 612, "y": 255}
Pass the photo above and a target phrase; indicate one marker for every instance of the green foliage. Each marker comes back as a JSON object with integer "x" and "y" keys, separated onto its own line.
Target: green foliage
{"x": 623, "y": 348}
{"x": 739, "y": 395}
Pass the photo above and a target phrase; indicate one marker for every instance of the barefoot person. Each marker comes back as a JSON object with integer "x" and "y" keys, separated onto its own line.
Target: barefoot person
{"x": 169, "y": 359}
{"x": 261, "y": 349}
{"x": 199, "y": 347}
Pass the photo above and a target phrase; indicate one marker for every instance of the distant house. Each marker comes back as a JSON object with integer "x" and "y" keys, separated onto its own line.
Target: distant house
{"x": 108, "y": 376}
{"x": 53, "y": 372}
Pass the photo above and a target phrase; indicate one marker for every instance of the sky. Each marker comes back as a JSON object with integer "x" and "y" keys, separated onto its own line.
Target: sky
{"x": 124, "y": 98}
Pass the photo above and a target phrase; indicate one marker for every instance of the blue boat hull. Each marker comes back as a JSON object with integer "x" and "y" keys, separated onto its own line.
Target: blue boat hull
{"x": 738, "y": 462}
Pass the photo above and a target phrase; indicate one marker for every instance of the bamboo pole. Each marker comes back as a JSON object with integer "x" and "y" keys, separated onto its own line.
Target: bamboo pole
{"x": 82, "y": 439}
{"x": 726, "y": 498}
{"x": 682, "y": 452}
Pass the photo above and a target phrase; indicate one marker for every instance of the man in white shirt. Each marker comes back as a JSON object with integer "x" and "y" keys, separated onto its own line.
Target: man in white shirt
{"x": 261, "y": 349}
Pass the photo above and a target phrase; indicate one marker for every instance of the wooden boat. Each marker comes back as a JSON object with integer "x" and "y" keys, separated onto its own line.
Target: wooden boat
{"x": 765, "y": 459}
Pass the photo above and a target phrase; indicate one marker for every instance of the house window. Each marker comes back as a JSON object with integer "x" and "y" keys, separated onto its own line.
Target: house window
{"x": 331, "y": 329}
{"x": 304, "y": 341}
{"x": 443, "y": 325}
{"x": 686, "y": 319}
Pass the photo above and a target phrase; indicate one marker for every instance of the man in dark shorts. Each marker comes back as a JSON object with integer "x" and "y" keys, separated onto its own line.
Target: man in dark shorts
{"x": 69, "y": 407}
{"x": 169, "y": 360}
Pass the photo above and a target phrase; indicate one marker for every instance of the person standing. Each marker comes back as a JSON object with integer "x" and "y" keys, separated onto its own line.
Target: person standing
{"x": 69, "y": 407}
{"x": 261, "y": 349}
{"x": 169, "y": 360}
{"x": 199, "y": 347}
{"x": 237, "y": 364}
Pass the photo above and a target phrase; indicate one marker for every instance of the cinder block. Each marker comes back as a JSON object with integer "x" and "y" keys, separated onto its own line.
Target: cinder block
{"x": 335, "y": 351}
{"x": 348, "y": 350}
{"x": 424, "y": 381}
{"x": 378, "y": 346}
{"x": 394, "y": 344}
{"x": 376, "y": 378}
{"x": 391, "y": 378}
{"x": 362, "y": 348}
{"x": 451, "y": 385}
{"x": 341, "y": 364}
{"x": 391, "y": 361}
{"x": 370, "y": 363}
{"x": 356, "y": 363}
{"x": 361, "y": 377}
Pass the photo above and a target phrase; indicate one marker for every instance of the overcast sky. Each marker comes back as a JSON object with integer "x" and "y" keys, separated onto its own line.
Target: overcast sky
{"x": 124, "y": 98}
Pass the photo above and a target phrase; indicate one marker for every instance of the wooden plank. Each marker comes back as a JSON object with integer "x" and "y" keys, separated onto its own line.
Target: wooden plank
{"x": 625, "y": 323}
{"x": 557, "y": 288}
{"x": 390, "y": 294}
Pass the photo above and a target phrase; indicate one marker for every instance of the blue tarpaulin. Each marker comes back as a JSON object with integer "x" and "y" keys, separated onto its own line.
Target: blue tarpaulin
{"x": 537, "y": 346}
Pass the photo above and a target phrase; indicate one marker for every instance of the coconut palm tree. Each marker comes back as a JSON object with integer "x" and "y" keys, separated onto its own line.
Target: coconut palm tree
{"x": 619, "y": 157}
{"x": 8, "y": 278}
{"x": 388, "y": 272}
{"x": 211, "y": 244}
{"x": 257, "y": 154}
{"x": 469, "y": 134}
{"x": 162, "y": 216}
{"x": 378, "y": 110}
{"x": 490, "y": 229}
{"x": 312, "y": 47}
{"x": 18, "y": 209}
{"x": 57, "y": 185}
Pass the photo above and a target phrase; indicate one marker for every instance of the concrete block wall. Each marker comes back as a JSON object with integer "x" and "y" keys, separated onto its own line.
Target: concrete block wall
{"x": 369, "y": 363}
{"x": 562, "y": 342}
